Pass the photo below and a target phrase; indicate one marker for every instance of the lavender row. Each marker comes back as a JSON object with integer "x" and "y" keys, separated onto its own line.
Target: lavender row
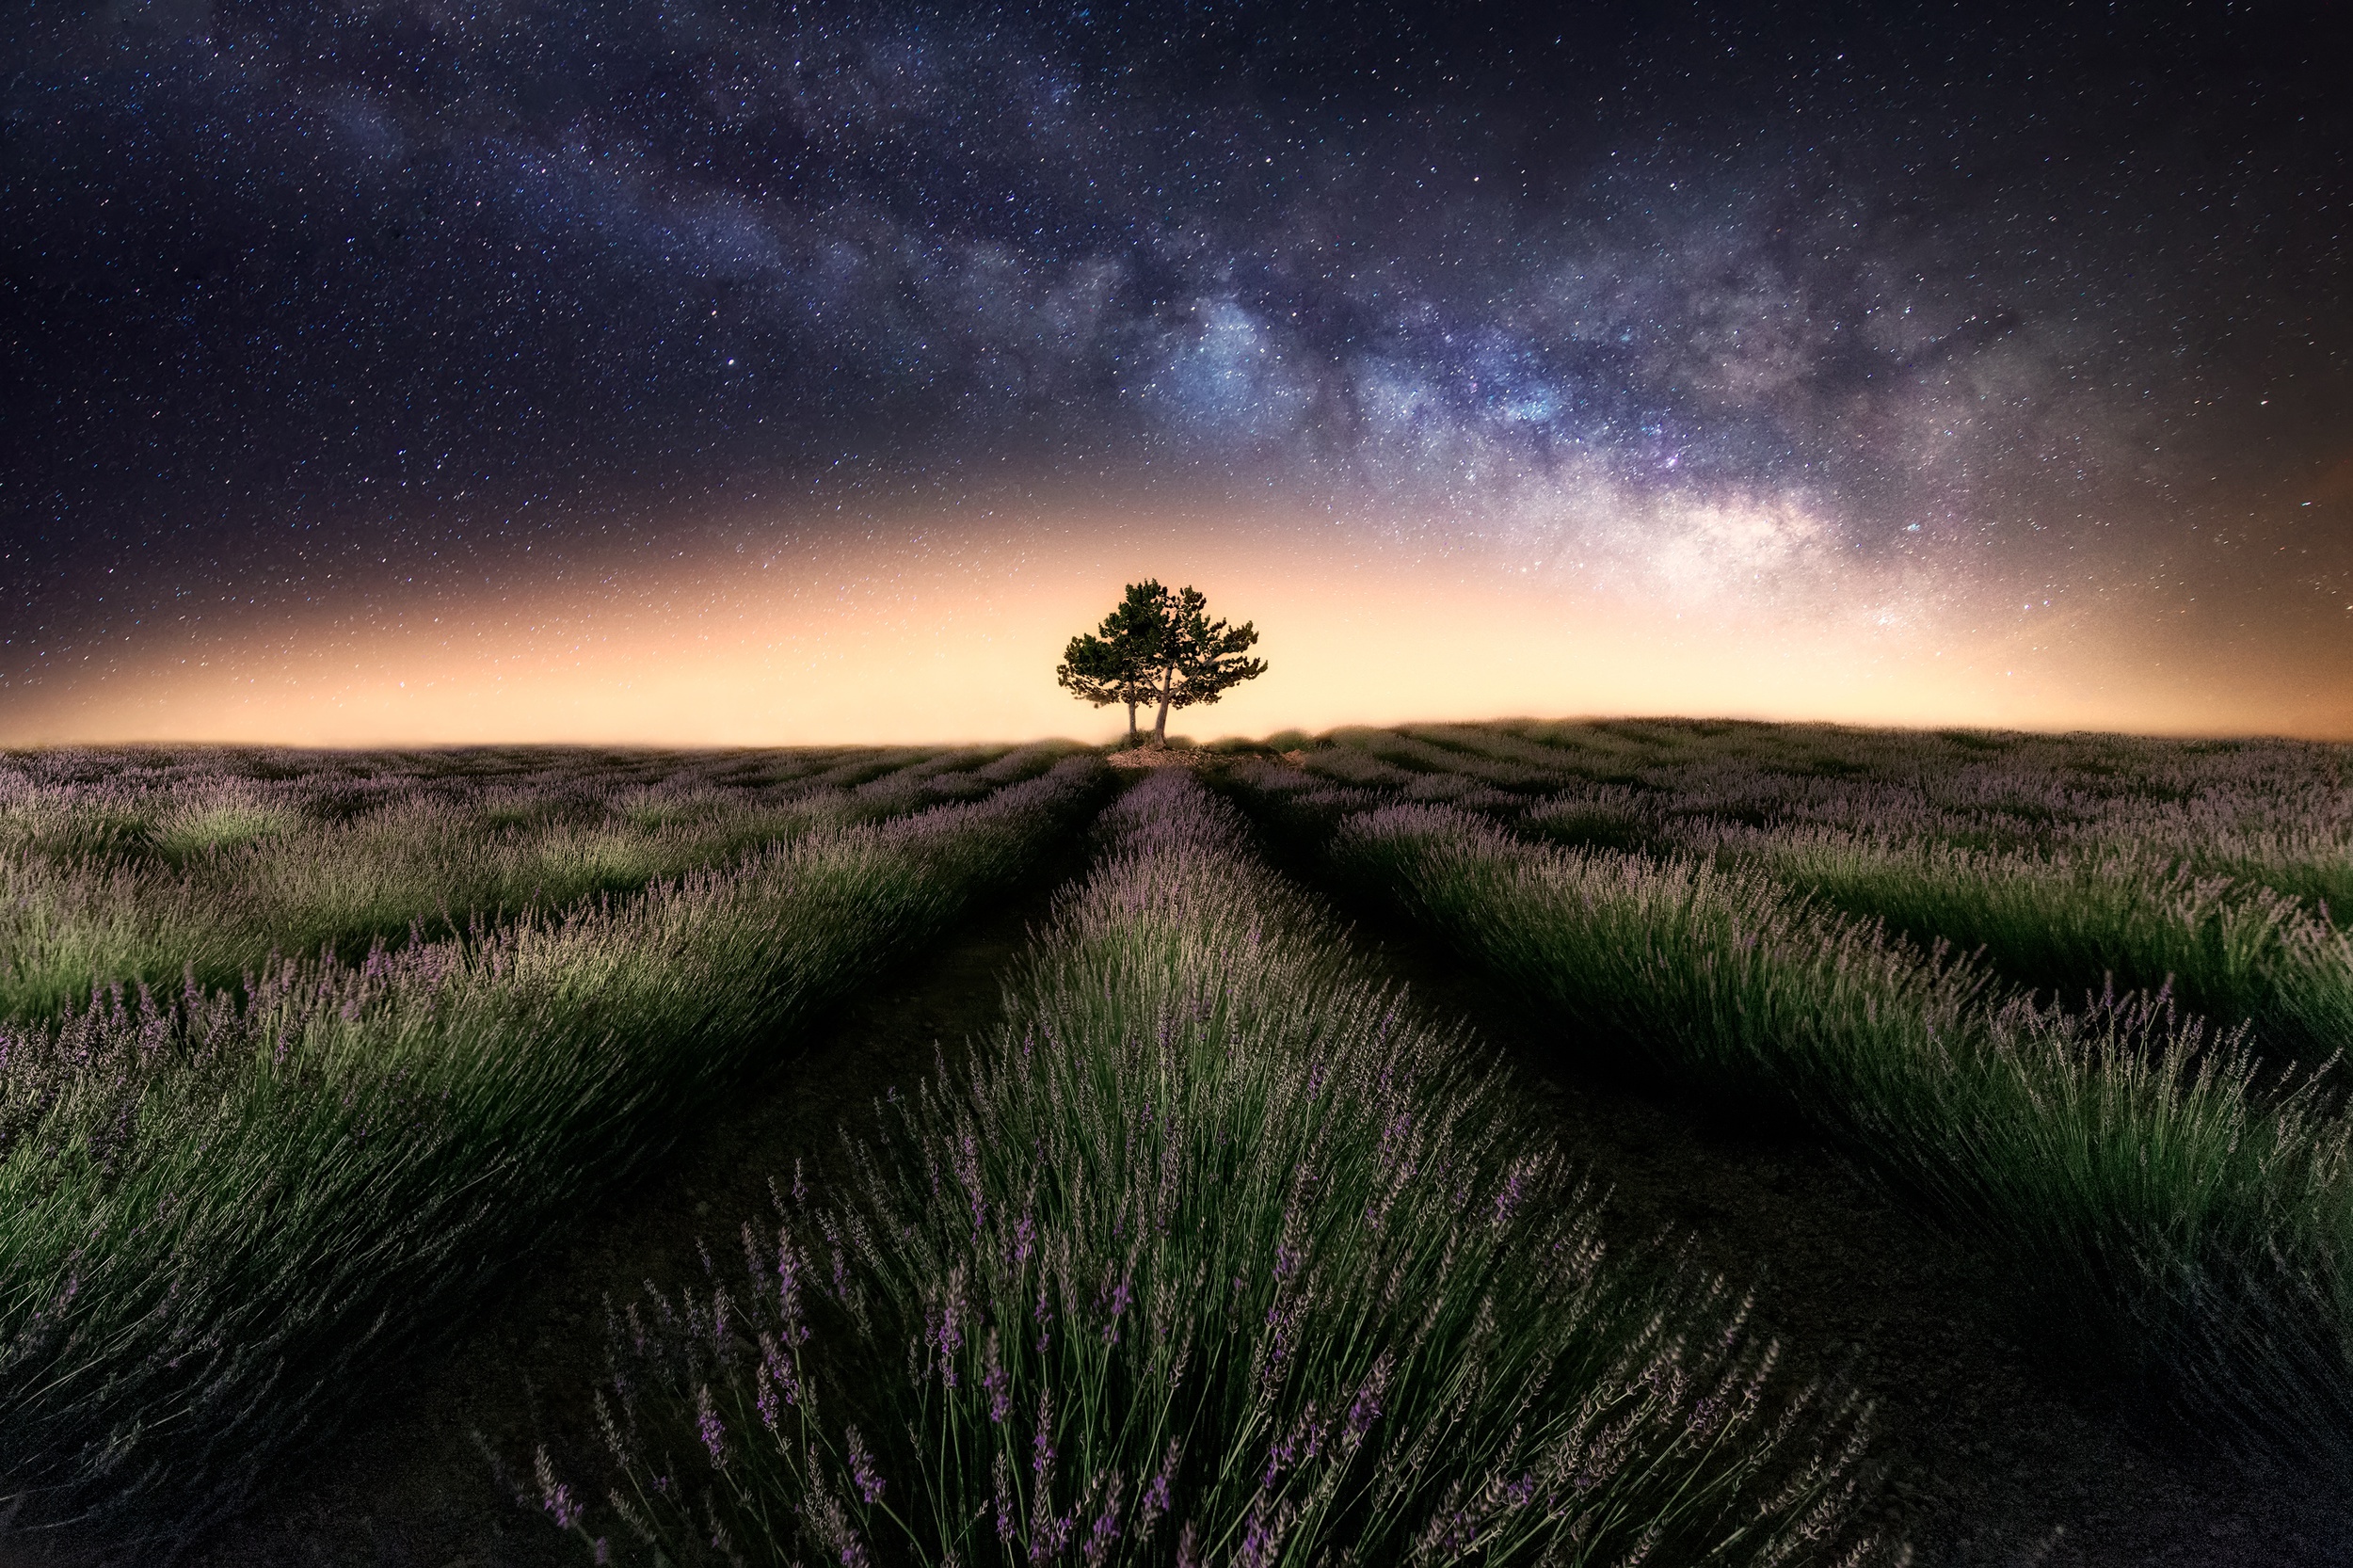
{"x": 220, "y": 1214}
{"x": 1217, "y": 1253}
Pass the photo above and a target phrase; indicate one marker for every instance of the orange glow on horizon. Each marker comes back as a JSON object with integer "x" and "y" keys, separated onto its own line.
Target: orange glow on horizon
{"x": 941, "y": 636}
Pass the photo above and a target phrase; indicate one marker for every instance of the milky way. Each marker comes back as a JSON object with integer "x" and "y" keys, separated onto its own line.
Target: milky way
{"x": 1927, "y": 319}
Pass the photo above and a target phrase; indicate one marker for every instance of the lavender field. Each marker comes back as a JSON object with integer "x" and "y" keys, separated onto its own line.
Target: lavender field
{"x": 1516, "y": 1143}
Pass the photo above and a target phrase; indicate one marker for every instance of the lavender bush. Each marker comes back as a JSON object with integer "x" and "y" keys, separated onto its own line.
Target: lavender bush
{"x": 216, "y": 1211}
{"x": 1218, "y": 1254}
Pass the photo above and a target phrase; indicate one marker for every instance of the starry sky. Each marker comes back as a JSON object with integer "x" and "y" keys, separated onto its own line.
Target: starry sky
{"x": 751, "y": 373}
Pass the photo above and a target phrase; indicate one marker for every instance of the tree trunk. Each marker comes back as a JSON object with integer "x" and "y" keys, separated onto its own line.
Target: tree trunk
{"x": 1132, "y": 735}
{"x": 1159, "y": 725}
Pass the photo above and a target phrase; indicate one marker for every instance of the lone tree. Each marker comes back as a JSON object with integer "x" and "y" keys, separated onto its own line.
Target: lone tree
{"x": 1158, "y": 648}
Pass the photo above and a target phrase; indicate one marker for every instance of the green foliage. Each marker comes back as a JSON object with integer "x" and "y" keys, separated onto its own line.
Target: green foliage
{"x": 1160, "y": 648}
{"x": 1120, "y": 663}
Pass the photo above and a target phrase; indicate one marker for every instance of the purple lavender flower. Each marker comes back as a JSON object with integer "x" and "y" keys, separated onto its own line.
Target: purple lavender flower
{"x": 1042, "y": 1441}
{"x": 764, "y": 1396}
{"x": 1050, "y": 1535}
{"x": 790, "y": 1264}
{"x": 968, "y": 1167}
{"x": 1258, "y": 1541}
{"x": 840, "y": 1273}
{"x": 1122, "y": 1296}
{"x": 1452, "y": 1534}
{"x": 1284, "y": 1320}
{"x": 1278, "y": 1459}
{"x": 944, "y": 1332}
{"x": 1106, "y": 1526}
{"x": 554, "y": 1496}
{"x": 1001, "y": 1478}
{"x": 1365, "y": 1408}
{"x": 997, "y": 1383}
{"x": 708, "y": 1428}
{"x": 1508, "y": 1200}
{"x": 1156, "y": 1496}
{"x": 863, "y": 1475}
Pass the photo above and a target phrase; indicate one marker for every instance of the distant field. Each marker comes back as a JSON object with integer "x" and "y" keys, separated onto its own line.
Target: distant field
{"x": 1215, "y": 1245}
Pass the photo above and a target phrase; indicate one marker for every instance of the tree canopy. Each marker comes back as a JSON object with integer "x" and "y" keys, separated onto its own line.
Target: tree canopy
{"x": 1158, "y": 648}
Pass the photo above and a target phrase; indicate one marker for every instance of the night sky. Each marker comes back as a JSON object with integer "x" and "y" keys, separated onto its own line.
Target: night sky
{"x": 767, "y": 373}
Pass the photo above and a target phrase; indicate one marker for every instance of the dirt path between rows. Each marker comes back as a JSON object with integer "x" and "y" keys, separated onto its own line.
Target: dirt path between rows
{"x": 1993, "y": 1461}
